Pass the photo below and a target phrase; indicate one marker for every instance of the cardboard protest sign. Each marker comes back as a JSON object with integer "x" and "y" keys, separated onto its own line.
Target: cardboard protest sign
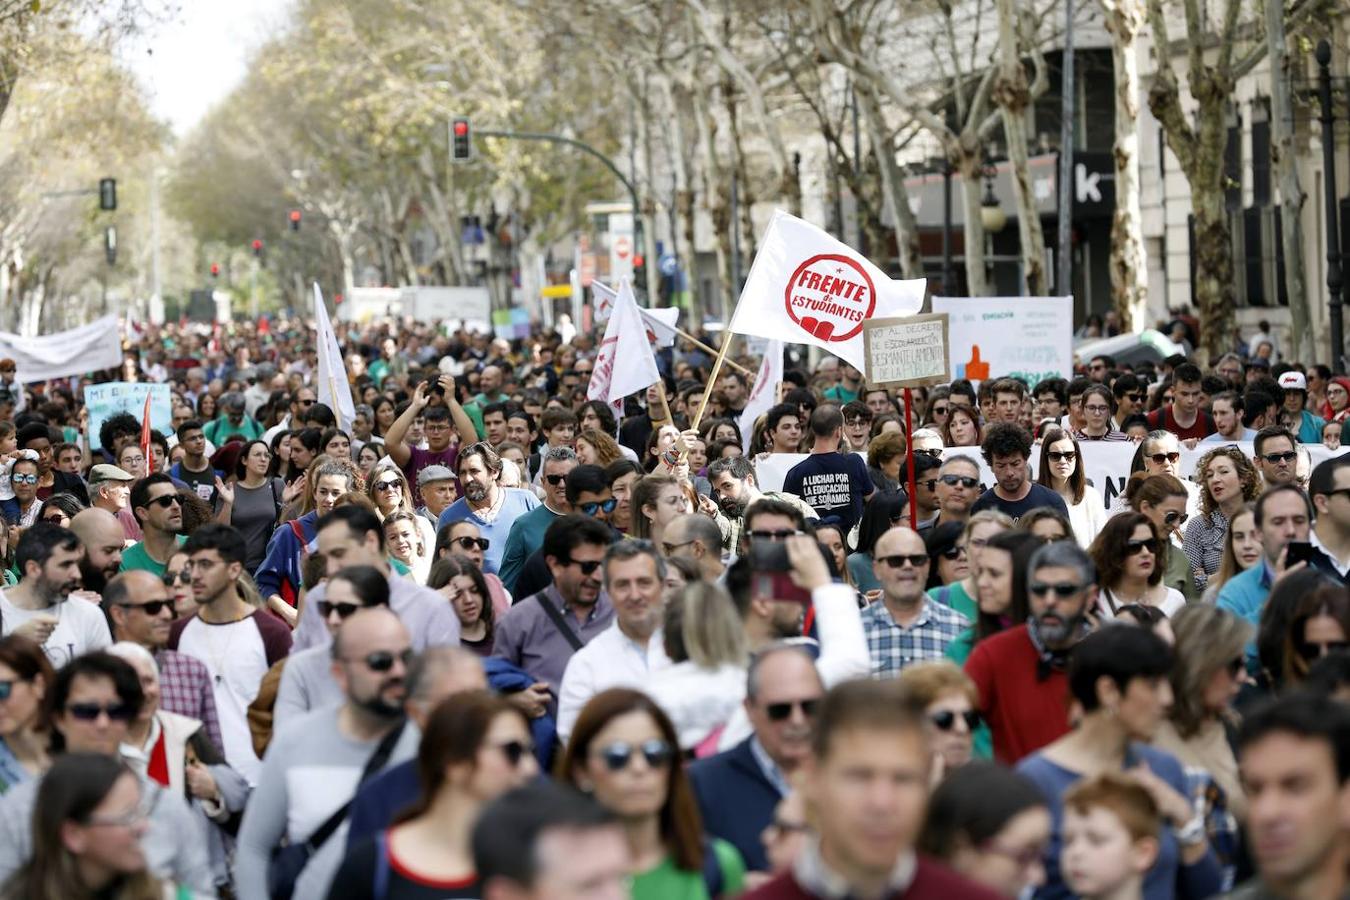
{"x": 112, "y": 397}
{"x": 909, "y": 352}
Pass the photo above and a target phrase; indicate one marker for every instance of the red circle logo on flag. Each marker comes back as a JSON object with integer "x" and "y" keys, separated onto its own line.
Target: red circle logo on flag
{"x": 830, "y": 296}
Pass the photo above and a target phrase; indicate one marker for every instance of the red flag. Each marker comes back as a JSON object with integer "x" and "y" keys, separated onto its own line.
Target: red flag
{"x": 145, "y": 437}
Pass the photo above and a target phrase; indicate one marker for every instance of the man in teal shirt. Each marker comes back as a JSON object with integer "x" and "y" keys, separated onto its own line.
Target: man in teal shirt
{"x": 849, "y": 386}
{"x": 232, "y": 421}
{"x": 527, "y": 532}
{"x": 155, "y": 504}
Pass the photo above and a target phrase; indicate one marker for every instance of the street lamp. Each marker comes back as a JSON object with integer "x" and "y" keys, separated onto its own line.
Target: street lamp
{"x": 1335, "y": 312}
{"x": 991, "y": 213}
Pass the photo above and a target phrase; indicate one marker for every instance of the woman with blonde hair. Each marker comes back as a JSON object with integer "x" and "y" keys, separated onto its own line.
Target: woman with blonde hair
{"x": 950, "y": 703}
{"x": 595, "y": 448}
{"x": 1228, "y": 480}
{"x": 1241, "y": 550}
{"x": 390, "y": 492}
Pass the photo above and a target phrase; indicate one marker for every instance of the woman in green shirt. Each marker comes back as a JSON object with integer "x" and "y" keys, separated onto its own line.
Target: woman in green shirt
{"x": 625, "y": 753}
{"x": 980, "y": 528}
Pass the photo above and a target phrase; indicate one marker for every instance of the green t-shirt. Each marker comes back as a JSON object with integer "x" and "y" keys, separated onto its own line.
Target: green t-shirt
{"x": 840, "y": 394}
{"x": 665, "y": 882}
{"x": 958, "y": 651}
{"x": 134, "y": 558}
{"x": 957, "y": 599}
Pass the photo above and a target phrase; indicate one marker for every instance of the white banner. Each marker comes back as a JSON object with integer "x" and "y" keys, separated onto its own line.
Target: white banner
{"x": 1030, "y": 338}
{"x": 805, "y": 287}
{"x": 331, "y": 383}
{"x": 464, "y": 305}
{"x": 765, "y": 392}
{"x": 88, "y": 348}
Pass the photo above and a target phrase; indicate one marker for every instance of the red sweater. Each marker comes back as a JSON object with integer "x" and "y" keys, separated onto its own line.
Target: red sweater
{"x": 1024, "y": 713}
{"x": 932, "y": 881}
{"x": 1163, "y": 417}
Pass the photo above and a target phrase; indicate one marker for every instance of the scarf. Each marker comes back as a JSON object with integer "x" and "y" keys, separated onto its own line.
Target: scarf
{"x": 1047, "y": 659}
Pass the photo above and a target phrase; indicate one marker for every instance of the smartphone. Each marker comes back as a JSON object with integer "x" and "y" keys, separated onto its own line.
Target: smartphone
{"x": 1298, "y": 552}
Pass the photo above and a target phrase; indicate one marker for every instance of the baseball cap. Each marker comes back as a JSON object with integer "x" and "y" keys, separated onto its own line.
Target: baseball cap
{"x": 107, "y": 472}
{"x": 433, "y": 474}
{"x": 1294, "y": 381}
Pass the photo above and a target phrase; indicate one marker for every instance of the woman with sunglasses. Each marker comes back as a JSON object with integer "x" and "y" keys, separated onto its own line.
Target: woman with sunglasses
{"x": 948, "y": 553}
{"x": 178, "y": 579}
{"x": 948, "y": 700}
{"x": 1159, "y": 453}
{"x": 880, "y": 515}
{"x": 962, "y": 428}
{"x": 1062, "y": 472}
{"x": 990, "y": 825}
{"x": 977, "y": 531}
{"x": 624, "y": 752}
{"x": 465, "y": 539}
{"x": 475, "y": 747}
{"x": 388, "y": 489}
{"x": 1130, "y": 558}
{"x": 25, "y": 675}
{"x": 1320, "y": 625}
{"x": 462, "y": 583}
{"x": 59, "y": 509}
{"x": 939, "y": 408}
{"x": 1163, "y": 499}
{"x": 23, "y": 508}
{"x": 1241, "y": 550}
{"x": 1118, "y": 676}
{"x": 1229, "y": 482}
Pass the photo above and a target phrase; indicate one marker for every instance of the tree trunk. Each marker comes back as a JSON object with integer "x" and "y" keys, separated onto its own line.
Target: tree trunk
{"x": 968, "y": 164}
{"x": 1292, "y": 197}
{"x": 1129, "y": 268}
{"x": 1012, "y": 95}
{"x": 892, "y": 185}
{"x": 719, "y": 209}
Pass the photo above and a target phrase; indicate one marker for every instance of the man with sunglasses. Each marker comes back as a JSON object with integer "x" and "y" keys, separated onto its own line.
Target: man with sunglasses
{"x": 141, "y": 611}
{"x": 735, "y": 488}
{"x": 958, "y": 487}
{"x": 93, "y": 701}
{"x": 1276, "y": 455}
{"x": 630, "y": 650}
{"x": 907, "y": 626}
{"x": 1130, "y": 396}
{"x": 739, "y": 789}
{"x": 40, "y": 608}
{"x": 159, "y": 512}
{"x": 1020, "y": 672}
{"x": 528, "y": 530}
{"x": 314, "y": 768}
{"x": 1006, "y": 449}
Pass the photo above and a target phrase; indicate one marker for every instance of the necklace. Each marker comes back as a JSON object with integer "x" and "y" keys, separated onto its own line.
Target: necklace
{"x": 216, "y": 654}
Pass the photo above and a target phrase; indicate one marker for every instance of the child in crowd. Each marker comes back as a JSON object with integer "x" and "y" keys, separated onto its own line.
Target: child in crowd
{"x": 1110, "y": 837}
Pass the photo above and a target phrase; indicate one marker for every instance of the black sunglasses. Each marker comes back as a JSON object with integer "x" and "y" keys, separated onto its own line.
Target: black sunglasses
{"x": 166, "y": 501}
{"x": 88, "y": 712}
{"x": 1175, "y": 518}
{"x": 1061, "y": 455}
{"x": 7, "y": 688}
{"x": 586, "y": 566}
{"x": 945, "y": 719}
{"x": 1160, "y": 458}
{"x": 1236, "y": 666}
{"x": 515, "y": 751}
{"x": 591, "y": 508}
{"x": 964, "y": 480}
{"x": 1132, "y": 547}
{"x": 383, "y": 660}
{"x": 954, "y": 551}
{"x": 780, "y": 712}
{"x": 897, "y": 560}
{"x": 1063, "y": 590}
{"x": 656, "y": 752}
{"x": 328, "y": 607}
{"x": 152, "y": 608}
{"x": 555, "y": 480}
{"x": 1286, "y": 456}
{"x": 777, "y": 535}
{"x": 185, "y": 577}
{"x": 936, "y": 454}
{"x": 468, "y": 543}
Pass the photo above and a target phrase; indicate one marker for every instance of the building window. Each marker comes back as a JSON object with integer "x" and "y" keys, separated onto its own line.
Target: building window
{"x": 1261, "y": 152}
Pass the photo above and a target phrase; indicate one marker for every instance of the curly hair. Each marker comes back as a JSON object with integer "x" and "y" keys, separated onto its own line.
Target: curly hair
{"x": 1108, "y": 549}
{"x": 1247, "y": 475}
{"x": 1005, "y": 439}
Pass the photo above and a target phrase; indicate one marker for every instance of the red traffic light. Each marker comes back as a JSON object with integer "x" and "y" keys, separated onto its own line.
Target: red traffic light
{"x": 215, "y": 270}
{"x": 295, "y": 215}
{"x": 637, "y": 260}
{"x": 257, "y": 245}
{"x": 461, "y": 128}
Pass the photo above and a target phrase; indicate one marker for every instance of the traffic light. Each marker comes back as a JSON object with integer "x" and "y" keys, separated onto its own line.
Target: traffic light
{"x": 295, "y": 220}
{"x": 258, "y": 249}
{"x": 107, "y": 194}
{"x": 110, "y": 244}
{"x": 461, "y": 140}
{"x": 215, "y": 270}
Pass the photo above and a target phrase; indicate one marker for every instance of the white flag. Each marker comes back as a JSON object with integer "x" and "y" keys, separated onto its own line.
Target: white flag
{"x": 331, "y": 385}
{"x": 604, "y": 297}
{"x": 764, "y": 394}
{"x": 625, "y": 364}
{"x": 805, "y": 287}
{"x": 661, "y": 324}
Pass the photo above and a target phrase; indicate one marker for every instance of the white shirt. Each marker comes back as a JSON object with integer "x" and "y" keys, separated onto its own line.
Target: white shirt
{"x": 80, "y": 627}
{"x": 1174, "y": 601}
{"x": 1341, "y": 567}
{"x": 611, "y": 659}
{"x": 235, "y": 656}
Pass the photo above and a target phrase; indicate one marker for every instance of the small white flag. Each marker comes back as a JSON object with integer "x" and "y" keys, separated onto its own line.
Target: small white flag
{"x": 764, "y": 394}
{"x": 661, "y": 324}
{"x": 625, "y": 364}
{"x": 604, "y": 297}
{"x": 331, "y": 385}
{"x": 805, "y": 287}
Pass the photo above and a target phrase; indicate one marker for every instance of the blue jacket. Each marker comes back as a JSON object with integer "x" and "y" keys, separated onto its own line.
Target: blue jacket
{"x": 736, "y": 801}
{"x": 280, "y": 570}
{"x": 1245, "y": 595}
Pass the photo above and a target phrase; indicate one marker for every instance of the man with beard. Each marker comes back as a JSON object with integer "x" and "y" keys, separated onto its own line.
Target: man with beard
{"x": 528, "y": 530}
{"x": 493, "y": 508}
{"x": 159, "y": 512}
{"x": 237, "y": 642}
{"x": 734, "y": 488}
{"x": 1006, "y": 449}
{"x": 39, "y": 606}
{"x": 1020, "y": 672}
{"x": 140, "y": 610}
{"x": 315, "y": 767}
{"x": 101, "y": 534}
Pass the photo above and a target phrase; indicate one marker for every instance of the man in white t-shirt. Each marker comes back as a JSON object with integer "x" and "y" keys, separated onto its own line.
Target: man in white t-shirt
{"x": 40, "y": 607}
{"x": 236, "y": 641}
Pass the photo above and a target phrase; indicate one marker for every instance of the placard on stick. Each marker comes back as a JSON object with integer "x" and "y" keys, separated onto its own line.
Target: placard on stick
{"x": 907, "y": 352}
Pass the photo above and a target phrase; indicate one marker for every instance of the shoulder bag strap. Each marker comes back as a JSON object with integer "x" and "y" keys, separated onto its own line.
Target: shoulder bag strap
{"x": 276, "y": 501}
{"x": 373, "y": 765}
{"x": 381, "y": 885}
{"x": 560, "y": 623}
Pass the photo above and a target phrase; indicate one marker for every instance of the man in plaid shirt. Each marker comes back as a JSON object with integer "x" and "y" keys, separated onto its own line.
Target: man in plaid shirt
{"x": 140, "y": 610}
{"x": 906, "y": 626}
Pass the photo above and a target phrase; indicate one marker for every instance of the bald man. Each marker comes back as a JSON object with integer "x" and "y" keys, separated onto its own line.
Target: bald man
{"x": 103, "y": 538}
{"x": 696, "y": 537}
{"x": 316, "y": 763}
{"x": 907, "y": 626}
{"x": 140, "y": 610}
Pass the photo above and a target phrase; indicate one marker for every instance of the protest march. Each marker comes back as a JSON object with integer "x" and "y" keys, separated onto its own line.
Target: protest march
{"x": 871, "y": 594}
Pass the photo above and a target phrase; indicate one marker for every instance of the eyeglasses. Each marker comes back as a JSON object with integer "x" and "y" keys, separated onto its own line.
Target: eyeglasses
{"x": 555, "y": 480}
{"x": 1160, "y": 458}
{"x": 383, "y": 660}
{"x": 1132, "y": 547}
{"x": 1286, "y": 456}
{"x": 389, "y": 484}
{"x": 1061, "y": 455}
{"x": 857, "y": 422}
{"x": 1175, "y": 518}
{"x": 587, "y": 566}
{"x": 1098, "y": 410}
{"x": 327, "y": 608}
{"x": 941, "y": 410}
{"x": 781, "y": 534}
{"x": 58, "y": 519}
{"x": 1135, "y": 398}
{"x": 515, "y": 751}
{"x": 7, "y": 688}
{"x": 668, "y": 549}
{"x": 945, "y": 719}
{"x": 88, "y": 712}
{"x": 24, "y": 479}
{"x": 183, "y": 577}
{"x": 781, "y": 712}
{"x": 144, "y": 808}
{"x": 956, "y": 551}
{"x": 165, "y": 501}
{"x": 935, "y": 454}
{"x": 929, "y": 485}
{"x": 592, "y": 508}
{"x": 152, "y": 608}
{"x": 468, "y": 543}
{"x": 1062, "y": 590}
{"x": 897, "y": 560}
{"x": 618, "y": 755}
{"x": 964, "y": 480}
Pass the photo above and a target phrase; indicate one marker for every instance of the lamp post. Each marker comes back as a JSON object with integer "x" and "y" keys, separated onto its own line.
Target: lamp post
{"x": 1334, "y": 309}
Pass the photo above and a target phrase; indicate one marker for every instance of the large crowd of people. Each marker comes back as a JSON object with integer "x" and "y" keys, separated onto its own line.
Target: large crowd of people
{"x": 485, "y": 638}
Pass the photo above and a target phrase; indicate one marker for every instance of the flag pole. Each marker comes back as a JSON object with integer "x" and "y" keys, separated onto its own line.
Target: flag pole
{"x": 665, "y": 401}
{"x": 706, "y": 349}
{"x": 909, "y": 451}
{"x": 712, "y": 379}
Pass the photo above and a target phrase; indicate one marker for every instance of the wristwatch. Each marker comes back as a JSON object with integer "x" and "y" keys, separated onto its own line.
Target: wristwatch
{"x": 1192, "y": 833}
